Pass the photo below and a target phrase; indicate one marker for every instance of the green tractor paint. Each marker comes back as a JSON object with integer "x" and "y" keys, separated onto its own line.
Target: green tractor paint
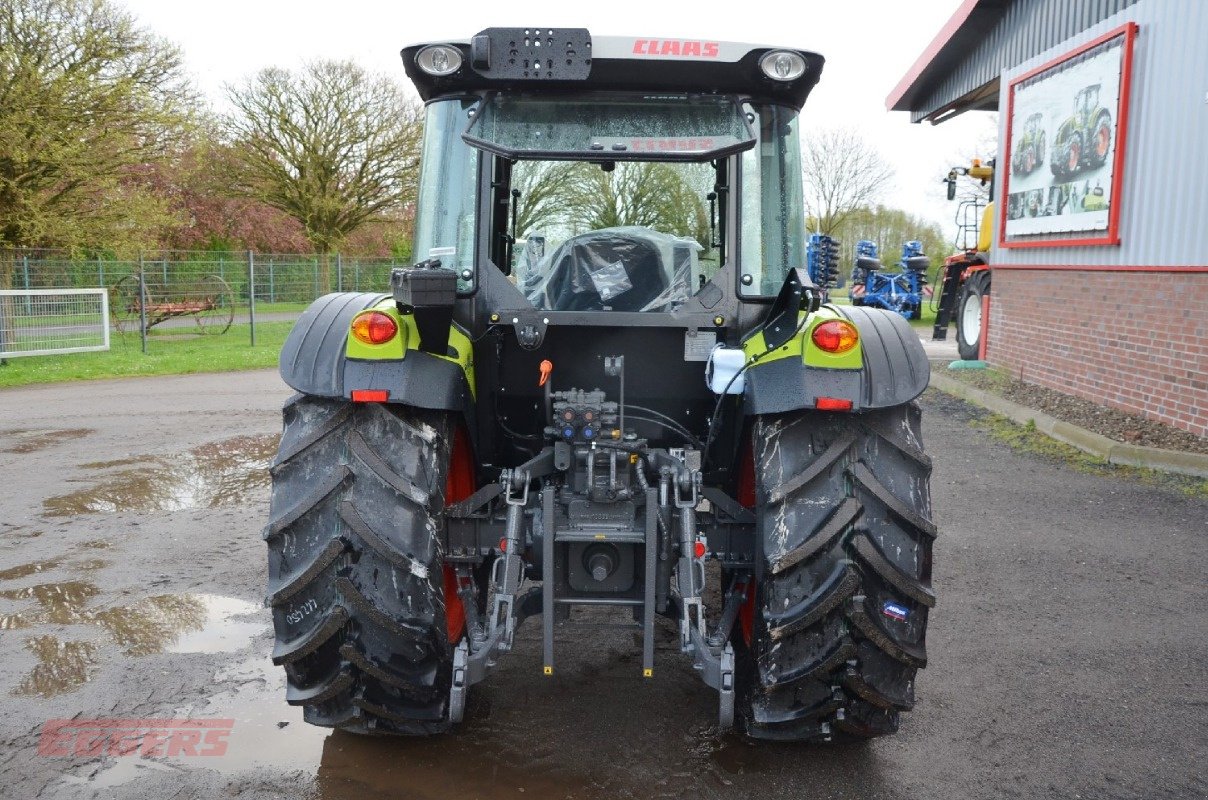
{"x": 572, "y": 410}
{"x": 1084, "y": 139}
{"x": 1029, "y": 146}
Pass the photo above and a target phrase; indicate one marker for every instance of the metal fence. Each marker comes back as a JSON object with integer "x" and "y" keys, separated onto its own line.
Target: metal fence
{"x": 177, "y": 295}
{"x": 41, "y": 322}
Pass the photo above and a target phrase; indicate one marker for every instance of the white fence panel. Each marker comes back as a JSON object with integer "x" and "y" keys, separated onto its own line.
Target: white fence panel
{"x": 42, "y": 322}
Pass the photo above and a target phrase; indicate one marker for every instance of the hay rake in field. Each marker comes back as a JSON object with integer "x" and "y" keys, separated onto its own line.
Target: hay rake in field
{"x": 209, "y": 300}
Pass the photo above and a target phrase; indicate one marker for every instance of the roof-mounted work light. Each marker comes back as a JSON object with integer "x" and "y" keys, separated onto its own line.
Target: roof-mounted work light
{"x": 439, "y": 59}
{"x": 782, "y": 65}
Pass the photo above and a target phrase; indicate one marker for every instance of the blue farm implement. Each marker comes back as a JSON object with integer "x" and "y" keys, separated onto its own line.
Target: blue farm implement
{"x": 822, "y": 261}
{"x": 900, "y": 291}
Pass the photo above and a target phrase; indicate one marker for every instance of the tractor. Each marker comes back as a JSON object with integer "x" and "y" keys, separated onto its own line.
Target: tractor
{"x": 901, "y": 291}
{"x": 591, "y": 419}
{"x": 1084, "y": 139}
{"x": 965, "y": 277}
{"x": 1029, "y": 147}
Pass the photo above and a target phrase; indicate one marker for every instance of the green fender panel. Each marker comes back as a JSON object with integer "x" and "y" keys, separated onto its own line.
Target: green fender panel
{"x": 894, "y": 368}
{"x": 314, "y": 361}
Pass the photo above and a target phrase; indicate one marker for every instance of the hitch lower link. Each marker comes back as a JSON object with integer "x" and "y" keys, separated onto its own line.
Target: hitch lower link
{"x": 479, "y": 651}
{"x": 712, "y": 656}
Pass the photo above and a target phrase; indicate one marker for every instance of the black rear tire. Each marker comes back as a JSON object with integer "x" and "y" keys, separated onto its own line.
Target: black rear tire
{"x": 1101, "y": 140}
{"x": 843, "y": 584}
{"x": 356, "y": 582}
{"x": 968, "y": 317}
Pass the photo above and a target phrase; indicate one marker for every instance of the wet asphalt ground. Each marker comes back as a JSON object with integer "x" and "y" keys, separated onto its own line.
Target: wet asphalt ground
{"x": 1068, "y": 652}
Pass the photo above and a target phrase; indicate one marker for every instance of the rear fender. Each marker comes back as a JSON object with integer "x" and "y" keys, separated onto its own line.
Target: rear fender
{"x": 889, "y": 366}
{"x": 319, "y": 359}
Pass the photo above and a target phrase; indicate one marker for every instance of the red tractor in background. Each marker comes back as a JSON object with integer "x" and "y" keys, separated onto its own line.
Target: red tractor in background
{"x": 965, "y": 276}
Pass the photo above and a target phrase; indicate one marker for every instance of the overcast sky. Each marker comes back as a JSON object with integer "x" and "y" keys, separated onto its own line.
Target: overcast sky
{"x": 868, "y": 44}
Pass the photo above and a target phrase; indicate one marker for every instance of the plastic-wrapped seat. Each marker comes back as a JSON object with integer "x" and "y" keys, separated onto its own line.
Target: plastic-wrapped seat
{"x": 615, "y": 269}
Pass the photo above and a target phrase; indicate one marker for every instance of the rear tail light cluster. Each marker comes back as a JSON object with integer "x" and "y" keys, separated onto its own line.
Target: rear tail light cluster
{"x": 374, "y": 327}
{"x": 836, "y": 336}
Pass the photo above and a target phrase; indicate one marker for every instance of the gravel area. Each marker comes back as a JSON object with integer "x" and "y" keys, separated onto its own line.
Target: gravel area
{"x": 1109, "y": 422}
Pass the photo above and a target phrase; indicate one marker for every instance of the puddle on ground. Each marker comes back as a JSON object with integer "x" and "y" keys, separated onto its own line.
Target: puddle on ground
{"x": 735, "y": 755}
{"x": 30, "y": 441}
{"x": 58, "y": 603}
{"x": 199, "y": 623}
{"x": 217, "y": 474}
{"x": 556, "y": 740}
{"x": 25, "y": 570}
{"x": 62, "y": 666}
{"x": 189, "y": 623}
{"x": 119, "y": 462}
{"x": 153, "y": 623}
{"x": 481, "y": 761}
{"x": 222, "y": 631}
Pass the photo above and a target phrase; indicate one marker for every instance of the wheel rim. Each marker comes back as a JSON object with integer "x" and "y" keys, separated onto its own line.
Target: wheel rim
{"x": 1102, "y": 141}
{"x": 125, "y": 304}
{"x": 971, "y": 313}
{"x": 216, "y": 305}
{"x": 1075, "y": 156}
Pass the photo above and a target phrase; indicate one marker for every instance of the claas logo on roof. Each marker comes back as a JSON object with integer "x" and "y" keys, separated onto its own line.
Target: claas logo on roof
{"x": 675, "y": 47}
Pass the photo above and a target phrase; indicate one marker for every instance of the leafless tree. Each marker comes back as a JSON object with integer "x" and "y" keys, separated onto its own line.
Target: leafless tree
{"x": 544, "y": 187}
{"x": 331, "y": 144}
{"x": 843, "y": 173}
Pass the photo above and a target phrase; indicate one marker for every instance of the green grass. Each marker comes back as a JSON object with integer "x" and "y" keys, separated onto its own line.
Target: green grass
{"x": 270, "y": 308}
{"x": 169, "y": 354}
{"x": 1027, "y": 439}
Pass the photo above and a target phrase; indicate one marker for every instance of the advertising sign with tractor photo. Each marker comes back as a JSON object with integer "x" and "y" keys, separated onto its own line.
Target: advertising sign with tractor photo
{"x": 1065, "y": 117}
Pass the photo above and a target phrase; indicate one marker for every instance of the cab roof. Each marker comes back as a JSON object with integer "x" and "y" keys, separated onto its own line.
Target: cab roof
{"x": 571, "y": 60}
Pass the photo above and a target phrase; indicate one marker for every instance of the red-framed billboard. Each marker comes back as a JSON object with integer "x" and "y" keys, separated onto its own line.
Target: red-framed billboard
{"x": 1063, "y": 164}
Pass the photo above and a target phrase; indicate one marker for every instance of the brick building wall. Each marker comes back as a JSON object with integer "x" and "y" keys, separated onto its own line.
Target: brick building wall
{"x": 1136, "y": 341}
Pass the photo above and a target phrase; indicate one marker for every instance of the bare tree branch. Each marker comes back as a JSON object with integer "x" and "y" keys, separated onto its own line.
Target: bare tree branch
{"x": 648, "y": 194}
{"x": 843, "y": 173}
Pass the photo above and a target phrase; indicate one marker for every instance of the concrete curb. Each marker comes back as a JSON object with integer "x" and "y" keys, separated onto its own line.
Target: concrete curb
{"x": 1111, "y": 451}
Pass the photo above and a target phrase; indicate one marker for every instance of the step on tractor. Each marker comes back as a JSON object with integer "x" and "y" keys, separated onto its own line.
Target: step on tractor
{"x": 1084, "y": 138}
{"x": 621, "y": 421}
{"x": 964, "y": 278}
{"x": 901, "y": 291}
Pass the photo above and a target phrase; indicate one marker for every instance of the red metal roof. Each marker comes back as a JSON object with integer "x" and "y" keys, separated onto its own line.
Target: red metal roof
{"x": 944, "y": 49}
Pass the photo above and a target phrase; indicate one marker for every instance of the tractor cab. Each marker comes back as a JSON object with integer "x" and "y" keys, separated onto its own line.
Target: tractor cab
{"x": 1087, "y": 100}
{"x": 640, "y": 192}
{"x": 598, "y": 151}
